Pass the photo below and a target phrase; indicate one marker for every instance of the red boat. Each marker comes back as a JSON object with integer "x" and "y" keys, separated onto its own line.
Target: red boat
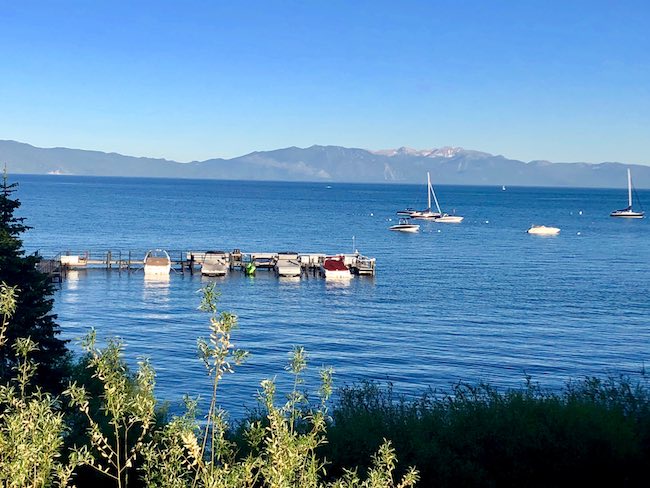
{"x": 334, "y": 268}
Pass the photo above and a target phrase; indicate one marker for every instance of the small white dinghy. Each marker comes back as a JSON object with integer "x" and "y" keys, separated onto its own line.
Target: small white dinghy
{"x": 157, "y": 262}
{"x": 542, "y": 230}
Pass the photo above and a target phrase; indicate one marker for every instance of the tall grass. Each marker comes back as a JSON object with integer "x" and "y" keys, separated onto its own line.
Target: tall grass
{"x": 593, "y": 432}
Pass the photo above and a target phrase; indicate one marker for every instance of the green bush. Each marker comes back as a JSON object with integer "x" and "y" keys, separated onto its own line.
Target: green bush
{"x": 592, "y": 432}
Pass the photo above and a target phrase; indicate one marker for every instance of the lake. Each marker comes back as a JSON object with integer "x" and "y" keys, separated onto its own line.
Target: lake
{"x": 480, "y": 300}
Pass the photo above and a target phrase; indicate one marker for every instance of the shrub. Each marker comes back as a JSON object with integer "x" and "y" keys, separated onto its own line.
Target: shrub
{"x": 592, "y": 432}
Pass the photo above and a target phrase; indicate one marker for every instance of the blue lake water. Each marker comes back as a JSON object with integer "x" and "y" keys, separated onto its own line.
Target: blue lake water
{"x": 480, "y": 300}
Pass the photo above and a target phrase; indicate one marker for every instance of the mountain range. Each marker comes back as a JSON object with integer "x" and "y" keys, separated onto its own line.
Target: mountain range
{"x": 448, "y": 165}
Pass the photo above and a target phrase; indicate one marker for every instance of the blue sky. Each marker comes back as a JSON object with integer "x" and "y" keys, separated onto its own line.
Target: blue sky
{"x": 556, "y": 80}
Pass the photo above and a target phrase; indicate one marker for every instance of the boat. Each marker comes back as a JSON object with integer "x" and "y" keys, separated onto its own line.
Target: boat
{"x": 215, "y": 263}
{"x": 249, "y": 269}
{"x": 407, "y": 212}
{"x": 334, "y": 268}
{"x": 542, "y": 230}
{"x": 628, "y": 212}
{"x": 427, "y": 213}
{"x": 449, "y": 219}
{"x": 73, "y": 261}
{"x": 405, "y": 225}
{"x": 363, "y": 265}
{"x": 157, "y": 262}
{"x": 288, "y": 264}
{"x": 439, "y": 216}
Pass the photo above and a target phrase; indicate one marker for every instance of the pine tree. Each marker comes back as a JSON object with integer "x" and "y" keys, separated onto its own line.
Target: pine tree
{"x": 33, "y": 317}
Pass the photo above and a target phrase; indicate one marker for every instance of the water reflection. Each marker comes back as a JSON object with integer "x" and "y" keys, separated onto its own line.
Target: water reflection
{"x": 156, "y": 287}
{"x": 332, "y": 284}
{"x": 289, "y": 280}
{"x": 72, "y": 277}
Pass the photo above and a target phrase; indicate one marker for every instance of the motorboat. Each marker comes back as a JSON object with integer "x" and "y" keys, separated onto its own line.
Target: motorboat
{"x": 542, "y": 230}
{"x": 334, "y": 268}
{"x": 73, "y": 261}
{"x": 157, "y": 262}
{"x": 288, "y": 264}
{"x": 405, "y": 225}
{"x": 628, "y": 212}
{"x": 215, "y": 263}
{"x": 426, "y": 214}
{"x": 407, "y": 212}
{"x": 364, "y": 265}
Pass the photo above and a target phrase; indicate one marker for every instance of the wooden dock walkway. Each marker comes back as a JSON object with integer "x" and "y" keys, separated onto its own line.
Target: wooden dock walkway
{"x": 192, "y": 261}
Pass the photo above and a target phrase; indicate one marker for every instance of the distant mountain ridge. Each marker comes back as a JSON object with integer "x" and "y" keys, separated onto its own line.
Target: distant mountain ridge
{"x": 448, "y": 165}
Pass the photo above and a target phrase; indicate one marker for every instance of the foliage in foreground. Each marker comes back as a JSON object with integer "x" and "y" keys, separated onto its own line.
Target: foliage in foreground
{"x": 592, "y": 433}
{"x": 127, "y": 446}
{"x": 33, "y": 316}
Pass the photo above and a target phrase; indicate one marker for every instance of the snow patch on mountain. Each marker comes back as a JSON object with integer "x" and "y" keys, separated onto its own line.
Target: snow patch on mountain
{"x": 442, "y": 152}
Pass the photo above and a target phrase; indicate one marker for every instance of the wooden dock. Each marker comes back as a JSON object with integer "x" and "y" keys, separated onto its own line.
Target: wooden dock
{"x": 191, "y": 261}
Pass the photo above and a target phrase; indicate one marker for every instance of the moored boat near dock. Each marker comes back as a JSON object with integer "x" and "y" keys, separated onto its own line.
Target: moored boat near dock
{"x": 288, "y": 264}
{"x": 157, "y": 262}
{"x": 334, "y": 268}
{"x": 215, "y": 263}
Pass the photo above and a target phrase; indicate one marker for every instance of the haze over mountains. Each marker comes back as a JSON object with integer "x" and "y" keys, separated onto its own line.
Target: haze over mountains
{"x": 448, "y": 165}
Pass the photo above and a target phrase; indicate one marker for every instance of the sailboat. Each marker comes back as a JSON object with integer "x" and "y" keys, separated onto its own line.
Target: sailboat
{"x": 628, "y": 212}
{"x": 427, "y": 213}
{"x": 440, "y": 216}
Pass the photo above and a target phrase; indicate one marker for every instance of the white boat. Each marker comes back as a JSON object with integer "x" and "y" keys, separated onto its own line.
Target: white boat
{"x": 157, "y": 262}
{"x": 427, "y": 213}
{"x": 334, "y": 268}
{"x": 405, "y": 225}
{"x": 628, "y": 212}
{"x": 73, "y": 261}
{"x": 449, "y": 219}
{"x": 542, "y": 230}
{"x": 364, "y": 265}
{"x": 215, "y": 263}
{"x": 437, "y": 216}
{"x": 407, "y": 212}
{"x": 288, "y": 264}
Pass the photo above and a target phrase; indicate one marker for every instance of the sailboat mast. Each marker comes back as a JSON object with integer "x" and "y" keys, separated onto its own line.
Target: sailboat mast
{"x": 629, "y": 188}
{"x": 431, "y": 192}
{"x": 428, "y": 191}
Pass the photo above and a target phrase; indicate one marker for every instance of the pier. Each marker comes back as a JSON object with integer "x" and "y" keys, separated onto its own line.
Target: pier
{"x": 191, "y": 262}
